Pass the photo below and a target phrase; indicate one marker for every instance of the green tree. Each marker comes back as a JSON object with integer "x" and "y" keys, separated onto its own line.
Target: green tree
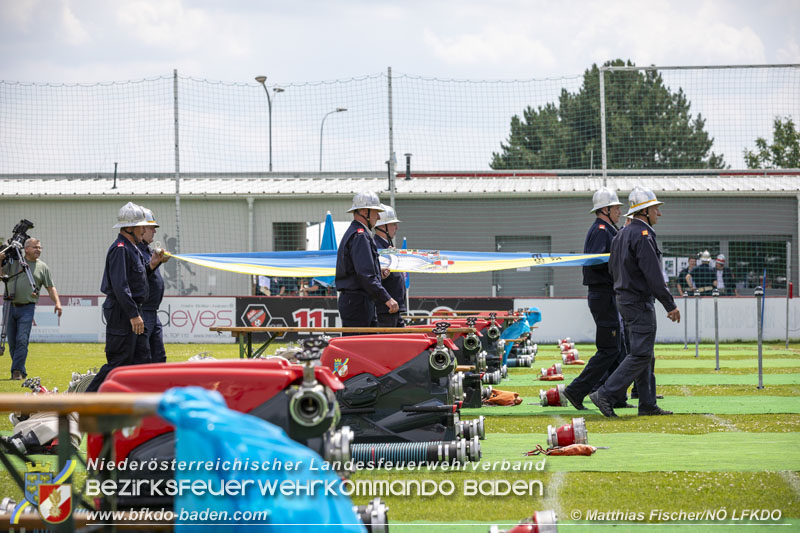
{"x": 647, "y": 126}
{"x": 784, "y": 152}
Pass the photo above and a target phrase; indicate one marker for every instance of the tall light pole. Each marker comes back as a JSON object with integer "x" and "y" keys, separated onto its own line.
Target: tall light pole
{"x": 337, "y": 110}
{"x": 262, "y": 80}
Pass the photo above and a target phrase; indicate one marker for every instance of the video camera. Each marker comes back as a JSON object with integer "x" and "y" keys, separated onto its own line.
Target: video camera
{"x": 18, "y": 237}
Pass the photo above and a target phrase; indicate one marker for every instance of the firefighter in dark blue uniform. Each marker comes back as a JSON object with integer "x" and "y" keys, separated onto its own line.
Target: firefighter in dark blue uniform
{"x": 635, "y": 264}
{"x": 602, "y": 305}
{"x": 153, "y": 328}
{"x": 395, "y": 282}
{"x": 126, "y": 289}
{"x": 358, "y": 271}
{"x": 702, "y": 277}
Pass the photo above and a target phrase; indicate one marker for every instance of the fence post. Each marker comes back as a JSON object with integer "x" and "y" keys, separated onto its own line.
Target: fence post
{"x": 715, "y": 293}
{"x": 686, "y": 319}
{"x": 696, "y": 323}
{"x": 392, "y": 158}
{"x": 759, "y": 294}
{"x": 603, "y": 151}
{"x": 177, "y": 250}
{"x": 788, "y": 284}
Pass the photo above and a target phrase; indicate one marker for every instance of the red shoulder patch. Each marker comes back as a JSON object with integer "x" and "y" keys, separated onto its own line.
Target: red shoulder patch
{"x": 601, "y": 226}
{"x": 120, "y": 245}
{"x": 644, "y": 232}
{"x": 360, "y": 230}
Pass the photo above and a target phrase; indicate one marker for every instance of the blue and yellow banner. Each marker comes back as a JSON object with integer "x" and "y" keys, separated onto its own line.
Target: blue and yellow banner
{"x": 317, "y": 263}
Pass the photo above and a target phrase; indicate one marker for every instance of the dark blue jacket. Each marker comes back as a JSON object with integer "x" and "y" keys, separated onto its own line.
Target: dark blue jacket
{"x": 703, "y": 278}
{"x": 125, "y": 277}
{"x": 395, "y": 284}
{"x": 598, "y": 241}
{"x": 635, "y": 263}
{"x": 154, "y": 281}
{"x": 357, "y": 265}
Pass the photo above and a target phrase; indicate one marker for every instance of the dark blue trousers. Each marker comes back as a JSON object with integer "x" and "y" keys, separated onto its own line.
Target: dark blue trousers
{"x": 608, "y": 340}
{"x": 18, "y": 332}
{"x": 640, "y": 320}
{"x": 155, "y": 338}
{"x": 357, "y": 310}
{"x": 123, "y": 346}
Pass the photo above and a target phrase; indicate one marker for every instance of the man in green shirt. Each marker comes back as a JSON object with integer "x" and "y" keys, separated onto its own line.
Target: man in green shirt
{"x": 23, "y": 302}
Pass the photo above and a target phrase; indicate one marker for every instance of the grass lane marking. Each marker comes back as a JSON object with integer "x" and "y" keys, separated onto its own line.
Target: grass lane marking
{"x": 727, "y": 424}
{"x": 551, "y": 500}
{"x": 792, "y": 479}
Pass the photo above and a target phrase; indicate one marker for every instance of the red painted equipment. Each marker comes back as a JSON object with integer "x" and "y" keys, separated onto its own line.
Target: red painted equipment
{"x": 570, "y": 357}
{"x": 552, "y": 371}
{"x": 399, "y": 388}
{"x": 540, "y": 522}
{"x": 574, "y": 433}
{"x": 300, "y": 399}
{"x": 553, "y": 397}
{"x": 564, "y": 346}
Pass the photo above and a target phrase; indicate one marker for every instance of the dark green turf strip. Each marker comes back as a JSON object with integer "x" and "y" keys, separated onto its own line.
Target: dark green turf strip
{"x": 660, "y": 452}
{"x": 674, "y": 362}
{"x": 678, "y": 404}
{"x": 788, "y": 524}
{"x": 515, "y": 379}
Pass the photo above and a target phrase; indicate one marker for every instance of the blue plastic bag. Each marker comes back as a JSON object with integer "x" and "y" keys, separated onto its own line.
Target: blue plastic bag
{"x": 519, "y": 328}
{"x": 206, "y": 430}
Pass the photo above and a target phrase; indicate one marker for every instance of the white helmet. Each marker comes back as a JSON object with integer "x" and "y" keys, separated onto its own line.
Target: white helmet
{"x": 131, "y": 215}
{"x": 366, "y": 200}
{"x": 150, "y": 218}
{"x": 641, "y": 198}
{"x": 388, "y": 216}
{"x": 705, "y": 257}
{"x": 721, "y": 259}
{"x": 604, "y": 197}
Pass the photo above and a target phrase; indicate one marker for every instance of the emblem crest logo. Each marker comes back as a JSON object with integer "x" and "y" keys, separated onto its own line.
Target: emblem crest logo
{"x": 340, "y": 367}
{"x": 55, "y": 502}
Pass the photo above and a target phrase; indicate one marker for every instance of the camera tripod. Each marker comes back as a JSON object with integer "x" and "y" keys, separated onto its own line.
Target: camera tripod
{"x": 8, "y": 298}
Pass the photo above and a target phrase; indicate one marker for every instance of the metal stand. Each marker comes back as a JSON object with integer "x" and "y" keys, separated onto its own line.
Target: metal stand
{"x": 685, "y": 319}
{"x": 17, "y": 254}
{"x": 715, "y": 294}
{"x": 696, "y": 323}
{"x": 759, "y": 294}
{"x": 788, "y": 286}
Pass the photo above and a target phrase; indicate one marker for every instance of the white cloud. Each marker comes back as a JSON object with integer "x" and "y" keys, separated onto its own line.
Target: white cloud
{"x": 668, "y": 34}
{"x": 493, "y": 45}
{"x": 74, "y": 32}
{"x": 168, "y": 24}
{"x": 19, "y": 12}
{"x": 789, "y": 53}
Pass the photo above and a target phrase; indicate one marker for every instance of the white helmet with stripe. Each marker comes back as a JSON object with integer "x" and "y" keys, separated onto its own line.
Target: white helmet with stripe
{"x": 641, "y": 198}
{"x": 388, "y": 216}
{"x": 604, "y": 197}
{"x": 131, "y": 215}
{"x": 366, "y": 200}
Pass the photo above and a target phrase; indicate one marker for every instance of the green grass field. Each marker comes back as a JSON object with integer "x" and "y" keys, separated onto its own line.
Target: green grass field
{"x": 730, "y": 445}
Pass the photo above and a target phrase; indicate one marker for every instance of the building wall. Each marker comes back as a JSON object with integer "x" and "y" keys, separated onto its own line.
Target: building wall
{"x": 474, "y": 223}
{"x": 76, "y": 233}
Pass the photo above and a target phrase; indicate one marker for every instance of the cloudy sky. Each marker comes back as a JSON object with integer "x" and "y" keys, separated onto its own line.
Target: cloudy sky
{"x": 306, "y": 40}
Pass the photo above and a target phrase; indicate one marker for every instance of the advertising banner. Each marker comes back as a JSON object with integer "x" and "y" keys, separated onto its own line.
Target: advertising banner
{"x": 188, "y": 319}
{"x": 322, "y": 312}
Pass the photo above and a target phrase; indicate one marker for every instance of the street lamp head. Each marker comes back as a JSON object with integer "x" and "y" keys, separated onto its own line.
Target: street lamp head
{"x": 278, "y": 90}
{"x": 340, "y": 109}
{"x": 261, "y": 79}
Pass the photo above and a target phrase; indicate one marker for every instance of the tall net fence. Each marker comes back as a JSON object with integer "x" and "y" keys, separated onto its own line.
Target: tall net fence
{"x": 673, "y": 118}
{"x": 495, "y": 166}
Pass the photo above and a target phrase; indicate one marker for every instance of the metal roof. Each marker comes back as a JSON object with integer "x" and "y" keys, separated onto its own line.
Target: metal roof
{"x": 441, "y": 184}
